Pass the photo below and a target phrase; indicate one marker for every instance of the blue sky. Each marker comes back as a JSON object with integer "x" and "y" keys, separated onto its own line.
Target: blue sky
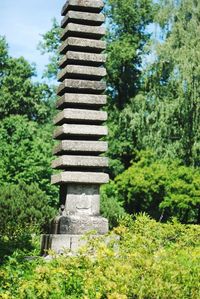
{"x": 23, "y": 22}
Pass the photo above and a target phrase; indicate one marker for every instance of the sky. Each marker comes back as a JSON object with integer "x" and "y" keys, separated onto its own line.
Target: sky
{"x": 23, "y": 22}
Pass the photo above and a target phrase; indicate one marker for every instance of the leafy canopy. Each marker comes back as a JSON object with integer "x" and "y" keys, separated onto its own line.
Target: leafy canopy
{"x": 18, "y": 94}
{"x": 162, "y": 188}
{"x": 26, "y": 154}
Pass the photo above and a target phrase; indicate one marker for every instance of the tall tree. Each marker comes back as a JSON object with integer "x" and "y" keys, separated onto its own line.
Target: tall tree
{"x": 127, "y": 37}
{"x": 26, "y": 154}
{"x": 18, "y": 94}
{"x": 172, "y": 95}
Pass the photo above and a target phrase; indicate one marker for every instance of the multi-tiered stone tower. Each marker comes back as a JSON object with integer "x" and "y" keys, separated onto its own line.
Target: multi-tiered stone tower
{"x": 80, "y": 126}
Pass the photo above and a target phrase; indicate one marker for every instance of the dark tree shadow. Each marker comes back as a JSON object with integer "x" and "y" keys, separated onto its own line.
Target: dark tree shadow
{"x": 8, "y": 246}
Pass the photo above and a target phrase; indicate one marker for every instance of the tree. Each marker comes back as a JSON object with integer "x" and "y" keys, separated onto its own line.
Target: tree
{"x": 127, "y": 37}
{"x": 18, "y": 94}
{"x": 172, "y": 84}
{"x": 50, "y": 44}
{"x": 161, "y": 188}
{"x": 26, "y": 154}
{"x": 126, "y": 45}
{"x": 164, "y": 115}
{"x": 27, "y": 197}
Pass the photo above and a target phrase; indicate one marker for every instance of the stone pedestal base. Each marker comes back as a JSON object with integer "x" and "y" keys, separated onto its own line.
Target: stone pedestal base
{"x": 79, "y": 225}
{"x": 61, "y": 243}
{"x": 79, "y": 214}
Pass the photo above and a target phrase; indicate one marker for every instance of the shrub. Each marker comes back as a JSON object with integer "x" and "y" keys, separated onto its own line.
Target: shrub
{"x": 110, "y": 207}
{"x": 150, "y": 260}
{"x": 23, "y": 208}
{"x": 163, "y": 189}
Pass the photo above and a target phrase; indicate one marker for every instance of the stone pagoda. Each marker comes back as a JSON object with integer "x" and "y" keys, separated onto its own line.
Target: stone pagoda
{"x": 80, "y": 126}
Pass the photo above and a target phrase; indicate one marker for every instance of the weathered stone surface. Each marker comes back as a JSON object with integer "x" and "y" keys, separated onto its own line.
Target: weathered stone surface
{"x": 81, "y": 58}
{"x": 82, "y": 131}
{"x": 81, "y": 86}
{"x": 81, "y": 199}
{"x": 66, "y": 161}
{"x": 80, "y": 116}
{"x": 61, "y": 243}
{"x": 80, "y": 177}
{"x": 82, "y": 72}
{"x": 81, "y": 100}
{"x": 86, "y": 147}
{"x": 84, "y": 31}
{"x": 83, "y": 5}
{"x": 84, "y": 18}
{"x": 81, "y": 95}
{"x": 79, "y": 224}
{"x": 82, "y": 44}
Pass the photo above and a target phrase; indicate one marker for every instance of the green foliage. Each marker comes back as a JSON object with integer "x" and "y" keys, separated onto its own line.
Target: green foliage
{"x": 25, "y": 211}
{"x": 127, "y": 37}
{"x": 163, "y": 188}
{"x": 26, "y": 196}
{"x": 111, "y": 208}
{"x": 143, "y": 259}
{"x": 18, "y": 94}
{"x": 172, "y": 92}
{"x": 24, "y": 208}
{"x": 26, "y": 154}
{"x": 50, "y": 44}
{"x": 164, "y": 112}
{"x": 125, "y": 134}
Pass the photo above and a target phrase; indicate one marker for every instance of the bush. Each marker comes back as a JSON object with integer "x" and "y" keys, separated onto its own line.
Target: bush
{"x": 23, "y": 208}
{"x": 26, "y": 154}
{"x": 143, "y": 260}
{"x": 110, "y": 207}
{"x": 161, "y": 188}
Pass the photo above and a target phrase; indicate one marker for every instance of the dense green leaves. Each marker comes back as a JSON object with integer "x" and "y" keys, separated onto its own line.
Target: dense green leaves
{"x": 26, "y": 195}
{"x": 18, "y": 94}
{"x": 127, "y": 41}
{"x": 24, "y": 208}
{"x": 127, "y": 37}
{"x": 164, "y": 113}
{"x": 142, "y": 259}
{"x": 25, "y": 150}
{"x": 172, "y": 91}
{"x": 163, "y": 189}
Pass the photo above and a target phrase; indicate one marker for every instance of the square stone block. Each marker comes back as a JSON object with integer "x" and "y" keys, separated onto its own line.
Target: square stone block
{"x": 79, "y": 224}
{"x": 61, "y": 243}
